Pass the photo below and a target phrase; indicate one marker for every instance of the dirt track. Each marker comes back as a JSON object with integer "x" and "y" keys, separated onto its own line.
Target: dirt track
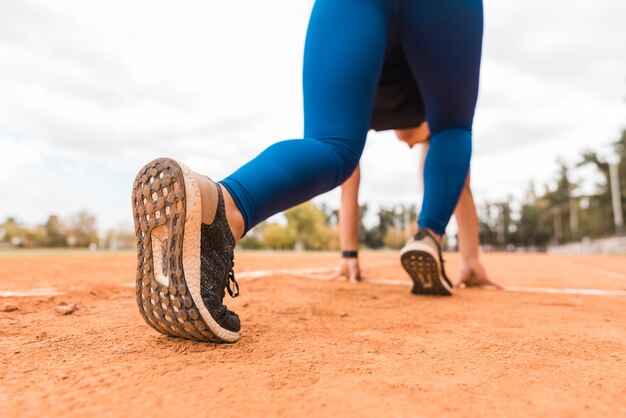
{"x": 320, "y": 347}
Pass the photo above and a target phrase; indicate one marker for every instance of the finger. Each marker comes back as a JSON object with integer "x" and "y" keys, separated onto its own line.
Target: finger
{"x": 473, "y": 280}
{"x": 485, "y": 284}
{"x": 495, "y": 285}
{"x": 464, "y": 277}
{"x": 459, "y": 284}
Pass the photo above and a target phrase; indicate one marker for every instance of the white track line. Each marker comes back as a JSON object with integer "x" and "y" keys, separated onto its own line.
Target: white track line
{"x": 553, "y": 291}
{"x": 311, "y": 274}
{"x": 30, "y": 293}
{"x": 326, "y": 274}
{"x": 259, "y": 274}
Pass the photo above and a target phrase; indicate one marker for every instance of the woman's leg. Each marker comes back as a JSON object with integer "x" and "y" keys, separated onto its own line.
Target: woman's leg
{"x": 184, "y": 231}
{"x": 443, "y": 42}
{"x": 344, "y": 52}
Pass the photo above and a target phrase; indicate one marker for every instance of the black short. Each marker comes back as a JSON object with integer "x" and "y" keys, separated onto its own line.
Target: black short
{"x": 398, "y": 103}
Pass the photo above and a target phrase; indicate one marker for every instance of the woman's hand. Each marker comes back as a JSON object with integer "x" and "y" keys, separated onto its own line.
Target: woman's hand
{"x": 473, "y": 274}
{"x": 349, "y": 268}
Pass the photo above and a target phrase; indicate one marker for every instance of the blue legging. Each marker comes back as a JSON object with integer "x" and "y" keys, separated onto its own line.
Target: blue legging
{"x": 345, "y": 47}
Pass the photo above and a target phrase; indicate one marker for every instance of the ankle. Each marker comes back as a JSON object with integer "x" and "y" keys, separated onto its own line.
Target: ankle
{"x": 233, "y": 214}
{"x": 438, "y": 238}
{"x": 208, "y": 195}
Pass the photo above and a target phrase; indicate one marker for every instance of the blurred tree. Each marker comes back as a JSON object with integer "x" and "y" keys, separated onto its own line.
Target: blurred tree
{"x": 534, "y": 226}
{"x": 119, "y": 239}
{"x": 332, "y": 239}
{"x": 394, "y": 238}
{"x": 557, "y": 201}
{"x": 486, "y": 224}
{"x": 278, "y": 237}
{"x": 620, "y": 149}
{"x": 82, "y": 229}
{"x": 10, "y": 229}
{"x": 362, "y": 214}
{"x": 597, "y": 220}
{"x": 333, "y": 219}
{"x": 309, "y": 224}
{"x": 254, "y": 239}
{"x": 375, "y": 236}
{"x": 55, "y": 232}
{"x": 504, "y": 223}
{"x": 38, "y": 236}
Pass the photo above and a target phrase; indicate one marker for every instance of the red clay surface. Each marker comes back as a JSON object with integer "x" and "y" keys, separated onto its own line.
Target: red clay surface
{"x": 319, "y": 348}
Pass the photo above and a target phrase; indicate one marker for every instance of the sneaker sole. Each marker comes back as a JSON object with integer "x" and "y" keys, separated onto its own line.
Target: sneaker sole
{"x": 167, "y": 213}
{"x": 426, "y": 273}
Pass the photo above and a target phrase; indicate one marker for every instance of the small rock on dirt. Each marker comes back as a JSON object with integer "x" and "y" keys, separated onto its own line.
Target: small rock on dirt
{"x": 66, "y": 309}
{"x": 42, "y": 334}
{"x": 61, "y": 375}
{"x": 7, "y": 307}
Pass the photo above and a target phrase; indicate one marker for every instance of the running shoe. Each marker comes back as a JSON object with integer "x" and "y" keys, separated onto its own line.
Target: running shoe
{"x": 422, "y": 260}
{"x": 184, "y": 266}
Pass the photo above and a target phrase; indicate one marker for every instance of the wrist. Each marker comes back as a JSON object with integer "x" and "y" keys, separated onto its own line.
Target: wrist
{"x": 349, "y": 254}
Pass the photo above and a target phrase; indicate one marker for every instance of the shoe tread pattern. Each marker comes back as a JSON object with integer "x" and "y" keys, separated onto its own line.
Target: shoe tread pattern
{"x": 423, "y": 269}
{"x": 158, "y": 199}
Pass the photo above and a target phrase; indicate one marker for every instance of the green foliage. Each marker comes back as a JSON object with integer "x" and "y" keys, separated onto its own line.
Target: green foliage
{"x": 279, "y": 237}
{"x": 308, "y": 227}
{"x": 253, "y": 240}
{"x": 375, "y": 237}
{"x": 79, "y": 231}
{"x": 82, "y": 229}
{"x": 10, "y": 229}
{"x": 535, "y": 224}
{"x": 119, "y": 239}
{"x": 54, "y": 232}
{"x": 389, "y": 218}
{"x": 394, "y": 238}
{"x": 561, "y": 213}
{"x": 309, "y": 224}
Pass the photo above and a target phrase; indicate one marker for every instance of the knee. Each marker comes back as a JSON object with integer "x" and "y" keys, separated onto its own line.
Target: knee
{"x": 345, "y": 152}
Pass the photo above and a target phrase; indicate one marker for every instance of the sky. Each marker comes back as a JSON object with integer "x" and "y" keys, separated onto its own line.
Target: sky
{"x": 91, "y": 91}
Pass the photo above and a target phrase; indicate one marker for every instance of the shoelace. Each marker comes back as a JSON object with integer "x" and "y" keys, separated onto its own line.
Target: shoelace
{"x": 231, "y": 285}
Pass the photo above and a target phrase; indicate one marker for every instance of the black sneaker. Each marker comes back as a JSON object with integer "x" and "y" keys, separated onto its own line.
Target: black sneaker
{"x": 183, "y": 266}
{"x": 421, "y": 258}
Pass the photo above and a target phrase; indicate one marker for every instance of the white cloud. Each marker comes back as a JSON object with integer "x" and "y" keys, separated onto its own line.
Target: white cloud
{"x": 91, "y": 90}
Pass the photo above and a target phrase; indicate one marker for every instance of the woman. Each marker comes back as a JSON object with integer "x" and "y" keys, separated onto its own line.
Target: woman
{"x": 471, "y": 271}
{"x": 187, "y": 225}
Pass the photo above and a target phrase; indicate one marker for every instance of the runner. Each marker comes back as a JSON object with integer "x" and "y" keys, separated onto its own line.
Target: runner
{"x": 187, "y": 225}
